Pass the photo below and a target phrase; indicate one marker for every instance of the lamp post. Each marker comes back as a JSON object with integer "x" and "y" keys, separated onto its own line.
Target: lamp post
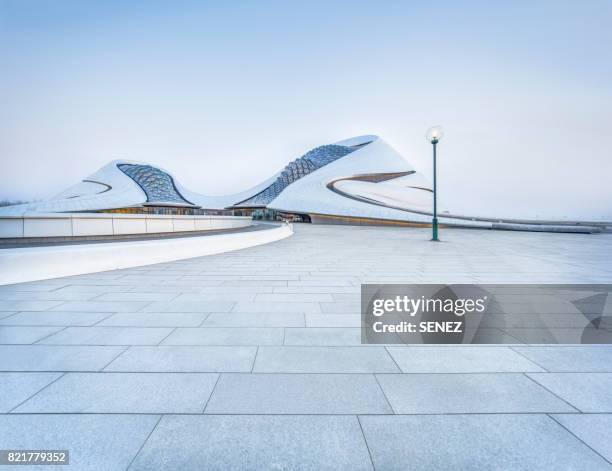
{"x": 434, "y": 134}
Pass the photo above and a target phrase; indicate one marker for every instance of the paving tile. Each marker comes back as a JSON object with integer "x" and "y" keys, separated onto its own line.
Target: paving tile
{"x": 302, "y": 297}
{"x": 144, "y": 393}
{"x": 468, "y": 393}
{"x": 285, "y": 307}
{"x": 220, "y": 290}
{"x": 144, "y": 278}
{"x": 177, "y": 284}
{"x": 28, "y": 305}
{"x": 341, "y": 308}
{"x": 55, "y": 357}
{"x": 208, "y": 297}
{"x": 324, "y": 360}
{"x": 108, "y": 336}
{"x": 35, "y": 286}
{"x": 44, "y": 296}
{"x": 131, "y": 296}
{"x": 104, "y": 277}
{"x": 254, "y": 320}
{"x": 185, "y": 359}
{"x": 351, "y": 297}
{"x": 154, "y": 319}
{"x": 561, "y": 335}
{"x": 17, "y": 387}
{"x": 269, "y": 277}
{"x": 297, "y": 394}
{"x": 475, "y": 442}
{"x": 255, "y": 442}
{"x": 588, "y": 392}
{"x": 320, "y": 283}
{"x": 101, "y": 306}
{"x": 24, "y": 335}
{"x": 5, "y": 314}
{"x": 354, "y": 290}
{"x": 333, "y": 320}
{"x": 460, "y": 359}
{"x": 173, "y": 290}
{"x": 332, "y": 336}
{"x": 241, "y": 283}
{"x": 514, "y": 323}
{"x": 593, "y": 429}
{"x": 571, "y": 359}
{"x": 226, "y": 336}
{"x": 189, "y": 306}
{"x": 54, "y": 318}
{"x": 212, "y": 276}
{"x": 95, "y": 442}
{"x": 319, "y": 277}
{"x": 94, "y": 288}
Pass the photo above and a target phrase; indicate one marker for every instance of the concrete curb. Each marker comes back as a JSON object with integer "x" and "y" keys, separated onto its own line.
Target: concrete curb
{"x": 20, "y": 265}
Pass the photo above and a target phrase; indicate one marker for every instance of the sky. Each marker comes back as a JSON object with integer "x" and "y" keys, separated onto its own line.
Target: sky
{"x": 225, "y": 94}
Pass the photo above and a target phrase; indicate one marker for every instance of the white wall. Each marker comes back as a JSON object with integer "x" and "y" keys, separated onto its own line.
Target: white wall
{"x": 98, "y": 224}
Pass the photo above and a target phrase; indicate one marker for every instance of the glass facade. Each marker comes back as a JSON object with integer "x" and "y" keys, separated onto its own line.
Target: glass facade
{"x": 309, "y": 162}
{"x": 170, "y": 211}
{"x": 266, "y": 214}
{"x": 157, "y": 185}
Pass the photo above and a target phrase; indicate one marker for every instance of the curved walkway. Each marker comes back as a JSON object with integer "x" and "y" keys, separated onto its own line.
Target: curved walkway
{"x": 44, "y": 262}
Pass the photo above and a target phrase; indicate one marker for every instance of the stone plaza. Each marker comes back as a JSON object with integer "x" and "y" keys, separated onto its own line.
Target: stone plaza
{"x": 253, "y": 359}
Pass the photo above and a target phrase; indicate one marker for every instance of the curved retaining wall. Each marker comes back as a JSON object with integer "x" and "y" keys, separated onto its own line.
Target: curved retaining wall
{"x": 40, "y": 263}
{"x": 109, "y": 224}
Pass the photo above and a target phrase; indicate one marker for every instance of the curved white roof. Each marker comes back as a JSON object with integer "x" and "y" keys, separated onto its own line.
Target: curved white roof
{"x": 321, "y": 181}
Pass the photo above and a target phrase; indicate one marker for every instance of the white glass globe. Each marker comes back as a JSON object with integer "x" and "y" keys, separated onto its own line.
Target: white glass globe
{"x": 434, "y": 133}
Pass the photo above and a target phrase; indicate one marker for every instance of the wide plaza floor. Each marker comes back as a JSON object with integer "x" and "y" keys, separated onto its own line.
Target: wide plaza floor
{"x": 252, "y": 360}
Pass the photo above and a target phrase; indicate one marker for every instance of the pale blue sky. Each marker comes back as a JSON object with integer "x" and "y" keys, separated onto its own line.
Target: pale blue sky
{"x": 224, "y": 94}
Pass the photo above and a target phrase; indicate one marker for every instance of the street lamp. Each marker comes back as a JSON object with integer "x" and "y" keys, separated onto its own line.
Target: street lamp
{"x": 434, "y": 134}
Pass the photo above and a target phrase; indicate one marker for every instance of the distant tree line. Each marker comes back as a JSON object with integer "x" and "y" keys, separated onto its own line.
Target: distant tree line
{"x": 10, "y": 203}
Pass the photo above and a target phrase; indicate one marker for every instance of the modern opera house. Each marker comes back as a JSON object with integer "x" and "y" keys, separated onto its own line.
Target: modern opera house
{"x": 361, "y": 180}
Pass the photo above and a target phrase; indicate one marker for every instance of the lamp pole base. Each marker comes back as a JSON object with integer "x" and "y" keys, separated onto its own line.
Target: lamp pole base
{"x": 434, "y": 230}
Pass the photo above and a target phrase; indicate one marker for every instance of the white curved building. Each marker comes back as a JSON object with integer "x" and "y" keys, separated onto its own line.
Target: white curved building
{"x": 361, "y": 180}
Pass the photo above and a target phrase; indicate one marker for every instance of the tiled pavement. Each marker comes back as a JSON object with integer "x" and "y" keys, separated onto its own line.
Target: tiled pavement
{"x": 252, "y": 360}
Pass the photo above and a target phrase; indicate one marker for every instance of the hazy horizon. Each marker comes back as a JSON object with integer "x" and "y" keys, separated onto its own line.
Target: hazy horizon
{"x": 224, "y": 95}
